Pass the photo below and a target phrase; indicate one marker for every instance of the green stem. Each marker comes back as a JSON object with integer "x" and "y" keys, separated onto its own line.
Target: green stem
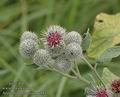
{"x": 77, "y": 76}
{"x": 61, "y": 87}
{"x": 64, "y": 74}
{"x": 78, "y": 71}
{"x": 80, "y": 77}
{"x": 94, "y": 70}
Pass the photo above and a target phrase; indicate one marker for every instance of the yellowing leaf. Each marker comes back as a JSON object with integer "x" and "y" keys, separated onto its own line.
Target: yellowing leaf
{"x": 106, "y": 34}
{"x": 116, "y": 39}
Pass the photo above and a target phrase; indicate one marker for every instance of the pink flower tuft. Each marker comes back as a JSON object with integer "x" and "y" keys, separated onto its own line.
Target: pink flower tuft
{"x": 116, "y": 86}
{"x": 101, "y": 93}
{"x": 54, "y": 38}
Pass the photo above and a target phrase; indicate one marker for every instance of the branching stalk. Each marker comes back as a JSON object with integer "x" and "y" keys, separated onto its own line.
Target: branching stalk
{"x": 64, "y": 74}
{"x": 80, "y": 77}
{"x": 93, "y": 69}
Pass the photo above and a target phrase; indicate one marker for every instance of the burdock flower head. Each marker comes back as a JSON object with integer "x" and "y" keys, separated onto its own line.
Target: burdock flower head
{"x": 60, "y": 49}
{"x": 53, "y": 40}
{"x": 73, "y": 51}
{"x": 73, "y": 36}
{"x": 28, "y": 44}
{"x": 98, "y": 91}
{"x": 28, "y": 48}
{"x": 63, "y": 64}
{"x": 115, "y": 85}
{"x": 29, "y": 35}
{"x": 42, "y": 57}
{"x": 101, "y": 93}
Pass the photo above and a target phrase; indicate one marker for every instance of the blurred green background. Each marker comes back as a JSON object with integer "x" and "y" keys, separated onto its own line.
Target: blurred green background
{"x": 17, "y": 16}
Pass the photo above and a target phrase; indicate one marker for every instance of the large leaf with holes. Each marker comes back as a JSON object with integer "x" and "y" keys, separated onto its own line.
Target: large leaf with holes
{"x": 106, "y": 34}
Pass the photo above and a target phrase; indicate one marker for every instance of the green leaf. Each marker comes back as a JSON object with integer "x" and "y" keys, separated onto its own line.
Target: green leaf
{"x": 110, "y": 53}
{"x": 106, "y": 34}
{"x": 86, "y": 41}
{"x": 108, "y": 76}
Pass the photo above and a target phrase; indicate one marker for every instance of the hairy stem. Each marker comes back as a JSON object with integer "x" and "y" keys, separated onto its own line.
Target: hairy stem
{"x": 78, "y": 71}
{"x": 77, "y": 75}
{"x": 80, "y": 77}
{"x": 93, "y": 69}
{"x": 61, "y": 87}
{"x": 64, "y": 74}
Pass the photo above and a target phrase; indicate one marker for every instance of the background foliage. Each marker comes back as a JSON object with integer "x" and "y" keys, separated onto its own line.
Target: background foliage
{"x": 17, "y": 16}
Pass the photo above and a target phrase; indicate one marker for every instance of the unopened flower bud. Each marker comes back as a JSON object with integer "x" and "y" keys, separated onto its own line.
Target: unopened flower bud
{"x": 73, "y": 37}
{"x": 29, "y": 35}
{"x": 41, "y": 57}
{"x": 28, "y": 48}
{"x": 73, "y": 51}
{"x": 62, "y": 64}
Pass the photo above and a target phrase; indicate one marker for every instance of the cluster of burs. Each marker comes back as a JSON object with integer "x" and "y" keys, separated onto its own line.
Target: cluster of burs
{"x": 60, "y": 49}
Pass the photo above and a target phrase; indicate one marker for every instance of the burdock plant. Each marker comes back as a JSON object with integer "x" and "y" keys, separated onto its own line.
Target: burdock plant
{"x": 60, "y": 53}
